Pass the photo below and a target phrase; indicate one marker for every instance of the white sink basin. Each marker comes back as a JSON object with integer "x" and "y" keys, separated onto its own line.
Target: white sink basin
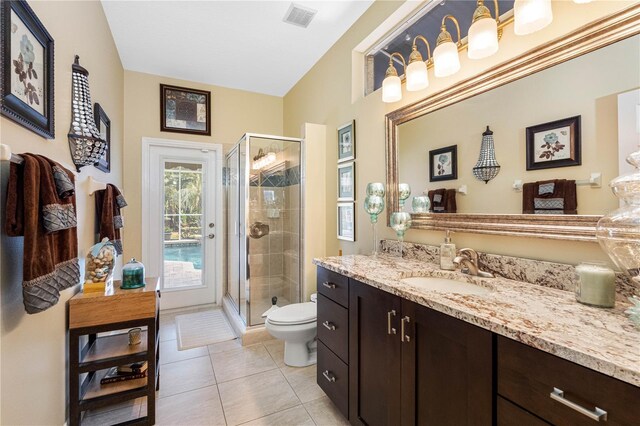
{"x": 445, "y": 285}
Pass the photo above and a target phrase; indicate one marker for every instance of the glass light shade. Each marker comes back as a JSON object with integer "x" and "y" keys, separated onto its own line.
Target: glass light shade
{"x": 531, "y": 16}
{"x": 391, "y": 89}
{"x": 483, "y": 38}
{"x": 404, "y": 191}
{"x": 417, "y": 76}
{"x": 375, "y": 188}
{"x": 619, "y": 232}
{"x": 420, "y": 204}
{"x": 446, "y": 61}
{"x": 373, "y": 205}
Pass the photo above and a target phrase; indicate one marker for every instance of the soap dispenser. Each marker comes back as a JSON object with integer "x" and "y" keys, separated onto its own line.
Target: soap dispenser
{"x": 447, "y": 253}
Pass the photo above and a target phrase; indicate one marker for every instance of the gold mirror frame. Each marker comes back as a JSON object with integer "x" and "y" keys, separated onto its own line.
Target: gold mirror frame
{"x": 588, "y": 38}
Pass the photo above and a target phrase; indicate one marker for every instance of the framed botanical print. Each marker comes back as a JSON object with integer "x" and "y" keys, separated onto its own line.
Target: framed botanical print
{"x": 347, "y": 142}
{"x": 347, "y": 181}
{"x": 104, "y": 127}
{"x": 26, "y": 69}
{"x": 184, "y": 110}
{"x": 346, "y": 222}
{"x": 554, "y": 144}
{"x": 443, "y": 164}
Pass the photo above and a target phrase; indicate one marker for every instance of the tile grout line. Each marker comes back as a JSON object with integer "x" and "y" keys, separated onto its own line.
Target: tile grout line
{"x": 224, "y": 415}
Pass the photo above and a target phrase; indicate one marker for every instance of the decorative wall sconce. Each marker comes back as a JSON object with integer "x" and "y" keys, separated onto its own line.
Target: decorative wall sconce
{"x": 481, "y": 42}
{"x": 531, "y": 16}
{"x": 446, "y": 61}
{"x": 84, "y": 138}
{"x": 487, "y": 166}
{"x": 483, "y": 33}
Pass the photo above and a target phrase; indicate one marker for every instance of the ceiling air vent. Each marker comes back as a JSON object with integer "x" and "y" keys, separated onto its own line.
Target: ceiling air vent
{"x": 299, "y": 15}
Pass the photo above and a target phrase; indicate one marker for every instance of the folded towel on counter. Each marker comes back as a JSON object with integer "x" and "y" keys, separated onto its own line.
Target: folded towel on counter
{"x": 556, "y": 196}
{"x": 443, "y": 200}
{"x": 109, "y": 201}
{"x": 41, "y": 207}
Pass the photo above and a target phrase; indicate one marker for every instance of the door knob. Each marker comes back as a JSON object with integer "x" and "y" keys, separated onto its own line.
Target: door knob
{"x": 211, "y": 236}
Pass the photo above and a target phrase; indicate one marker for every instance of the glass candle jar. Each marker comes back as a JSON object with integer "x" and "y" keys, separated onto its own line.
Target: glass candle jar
{"x": 596, "y": 285}
{"x": 420, "y": 204}
{"x": 133, "y": 275}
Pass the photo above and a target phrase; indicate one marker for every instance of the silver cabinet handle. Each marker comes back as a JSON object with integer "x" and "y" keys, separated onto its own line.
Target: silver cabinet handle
{"x": 329, "y": 285}
{"x": 330, "y": 377}
{"x": 404, "y": 337}
{"x": 597, "y": 414}
{"x": 390, "y": 330}
{"x": 329, "y": 326}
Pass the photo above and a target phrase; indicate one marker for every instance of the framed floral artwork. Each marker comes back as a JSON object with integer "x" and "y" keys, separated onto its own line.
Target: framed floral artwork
{"x": 443, "y": 163}
{"x": 347, "y": 181}
{"x": 26, "y": 69}
{"x": 346, "y": 222}
{"x": 103, "y": 123}
{"x": 184, "y": 110}
{"x": 554, "y": 144}
{"x": 347, "y": 142}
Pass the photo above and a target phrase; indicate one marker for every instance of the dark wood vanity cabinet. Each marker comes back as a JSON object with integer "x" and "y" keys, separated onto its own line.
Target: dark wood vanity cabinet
{"x": 411, "y": 365}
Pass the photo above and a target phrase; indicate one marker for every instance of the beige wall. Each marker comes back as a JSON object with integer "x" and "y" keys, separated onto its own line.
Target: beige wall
{"x": 324, "y": 95}
{"x": 34, "y": 347}
{"x": 578, "y": 87}
{"x": 233, "y": 113}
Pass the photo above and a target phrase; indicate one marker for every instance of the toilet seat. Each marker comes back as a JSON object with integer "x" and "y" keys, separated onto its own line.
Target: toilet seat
{"x": 294, "y": 314}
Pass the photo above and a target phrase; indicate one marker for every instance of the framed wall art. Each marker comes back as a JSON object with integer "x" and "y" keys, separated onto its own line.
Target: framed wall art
{"x": 346, "y": 222}
{"x": 184, "y": 110}
{"x": 104, "y": 127}
{"x": 443, "y": 163}
{"x": 347, "y": 142}
{"x": 554, "y": 144}
{"x": 26, "y": 63}
{"x": 347, "y": 181}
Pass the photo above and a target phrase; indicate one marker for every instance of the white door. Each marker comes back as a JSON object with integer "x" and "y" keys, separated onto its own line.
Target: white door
{"x": 181, "y": 197}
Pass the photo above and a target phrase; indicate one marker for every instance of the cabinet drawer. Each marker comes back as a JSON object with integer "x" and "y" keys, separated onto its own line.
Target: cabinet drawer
{"x": 333, "y": 378}
{"x": 333, "y": 327}
{"x": 334, "y": 286}
{"x": 528, "y": 377}
{"x": 510, "y": 414}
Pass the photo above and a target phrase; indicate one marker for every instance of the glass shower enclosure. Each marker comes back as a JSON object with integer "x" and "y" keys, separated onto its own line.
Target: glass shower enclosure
{"x": 263, "y": 196}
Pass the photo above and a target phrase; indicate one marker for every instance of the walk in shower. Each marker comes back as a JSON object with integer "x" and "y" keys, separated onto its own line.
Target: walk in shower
{"x": 263, "y": 241}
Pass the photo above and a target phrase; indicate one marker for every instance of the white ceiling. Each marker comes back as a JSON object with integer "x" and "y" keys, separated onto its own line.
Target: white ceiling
{"x": 237, "y": 44}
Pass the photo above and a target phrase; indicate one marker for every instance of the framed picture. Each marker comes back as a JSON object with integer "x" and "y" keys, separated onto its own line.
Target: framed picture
{"x": 184, "y": 110}
{"x": 104, "y": 127}
{"x": 346, "y": 222}
{"x": 443, "y": 164}
{"x": 26, "y": 73}
{"x": 347, "y": 142}
{"x": 554, "y": 144}
{"x": 347, "y": 181}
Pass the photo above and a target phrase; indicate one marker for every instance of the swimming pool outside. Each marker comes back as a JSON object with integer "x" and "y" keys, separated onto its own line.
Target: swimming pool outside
{"x": 184, "y": 252}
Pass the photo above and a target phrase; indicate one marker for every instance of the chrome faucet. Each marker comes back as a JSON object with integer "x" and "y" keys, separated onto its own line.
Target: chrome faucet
{"x": 468, "y": 258}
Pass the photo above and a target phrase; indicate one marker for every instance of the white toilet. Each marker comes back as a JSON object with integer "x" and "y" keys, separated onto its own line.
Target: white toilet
{"x": 296, "y": 325}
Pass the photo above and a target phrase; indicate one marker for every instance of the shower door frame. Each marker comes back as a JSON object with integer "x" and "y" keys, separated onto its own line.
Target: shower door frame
{"x": 243, "y": 236}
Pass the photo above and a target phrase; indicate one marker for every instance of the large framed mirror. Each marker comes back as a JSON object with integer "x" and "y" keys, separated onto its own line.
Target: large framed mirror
{"x": 579, "y": 75}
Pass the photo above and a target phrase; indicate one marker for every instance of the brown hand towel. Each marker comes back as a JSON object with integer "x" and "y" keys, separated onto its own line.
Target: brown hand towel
{"x": 35, "y": 210}
{"x": 562, "y": 200}
{"x": 450, "y": 201}
{"x": 437, "y": 199}
{"x": 108, "y": 204}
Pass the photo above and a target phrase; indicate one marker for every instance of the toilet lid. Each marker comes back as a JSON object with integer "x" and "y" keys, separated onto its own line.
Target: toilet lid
{"x": 295, "y": 313}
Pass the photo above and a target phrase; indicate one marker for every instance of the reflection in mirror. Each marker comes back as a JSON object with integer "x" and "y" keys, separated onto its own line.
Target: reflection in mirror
{"x": 587, "y": 87}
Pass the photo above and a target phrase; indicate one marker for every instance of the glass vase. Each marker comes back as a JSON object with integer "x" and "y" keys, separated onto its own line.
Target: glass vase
{"x": 400, "y": 222}
{"x": 374, "y": 205}
{"x": 404, "y": 191}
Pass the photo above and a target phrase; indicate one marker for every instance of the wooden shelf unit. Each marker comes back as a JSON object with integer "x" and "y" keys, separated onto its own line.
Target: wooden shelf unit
{"x": 117, "y": 311}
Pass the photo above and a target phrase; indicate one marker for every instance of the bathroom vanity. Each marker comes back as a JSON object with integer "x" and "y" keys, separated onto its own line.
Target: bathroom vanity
{"x": 391, "y": 352}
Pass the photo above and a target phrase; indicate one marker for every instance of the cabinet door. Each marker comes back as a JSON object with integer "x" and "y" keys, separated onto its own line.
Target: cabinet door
{"x": 447, "y": 376}
{"x": 374, "y": 356}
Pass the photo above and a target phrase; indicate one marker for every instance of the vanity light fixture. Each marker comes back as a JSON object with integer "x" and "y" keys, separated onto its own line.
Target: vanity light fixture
{"x": 483, "y": 33}
{"x": 487, "y": 166}
{"x": 391, "y": 85}
{"x": 417, "y": 75}
{"x": 263, "y": 159}
{"x": 446, "y": 61}
{"x": 531, "y": 16}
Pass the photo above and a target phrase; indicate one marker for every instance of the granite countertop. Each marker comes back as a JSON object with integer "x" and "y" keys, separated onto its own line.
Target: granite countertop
{"x": 549, "y": 319}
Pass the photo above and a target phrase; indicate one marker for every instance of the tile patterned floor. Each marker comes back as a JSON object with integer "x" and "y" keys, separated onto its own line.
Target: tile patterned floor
{"x": 228, "y": 384}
